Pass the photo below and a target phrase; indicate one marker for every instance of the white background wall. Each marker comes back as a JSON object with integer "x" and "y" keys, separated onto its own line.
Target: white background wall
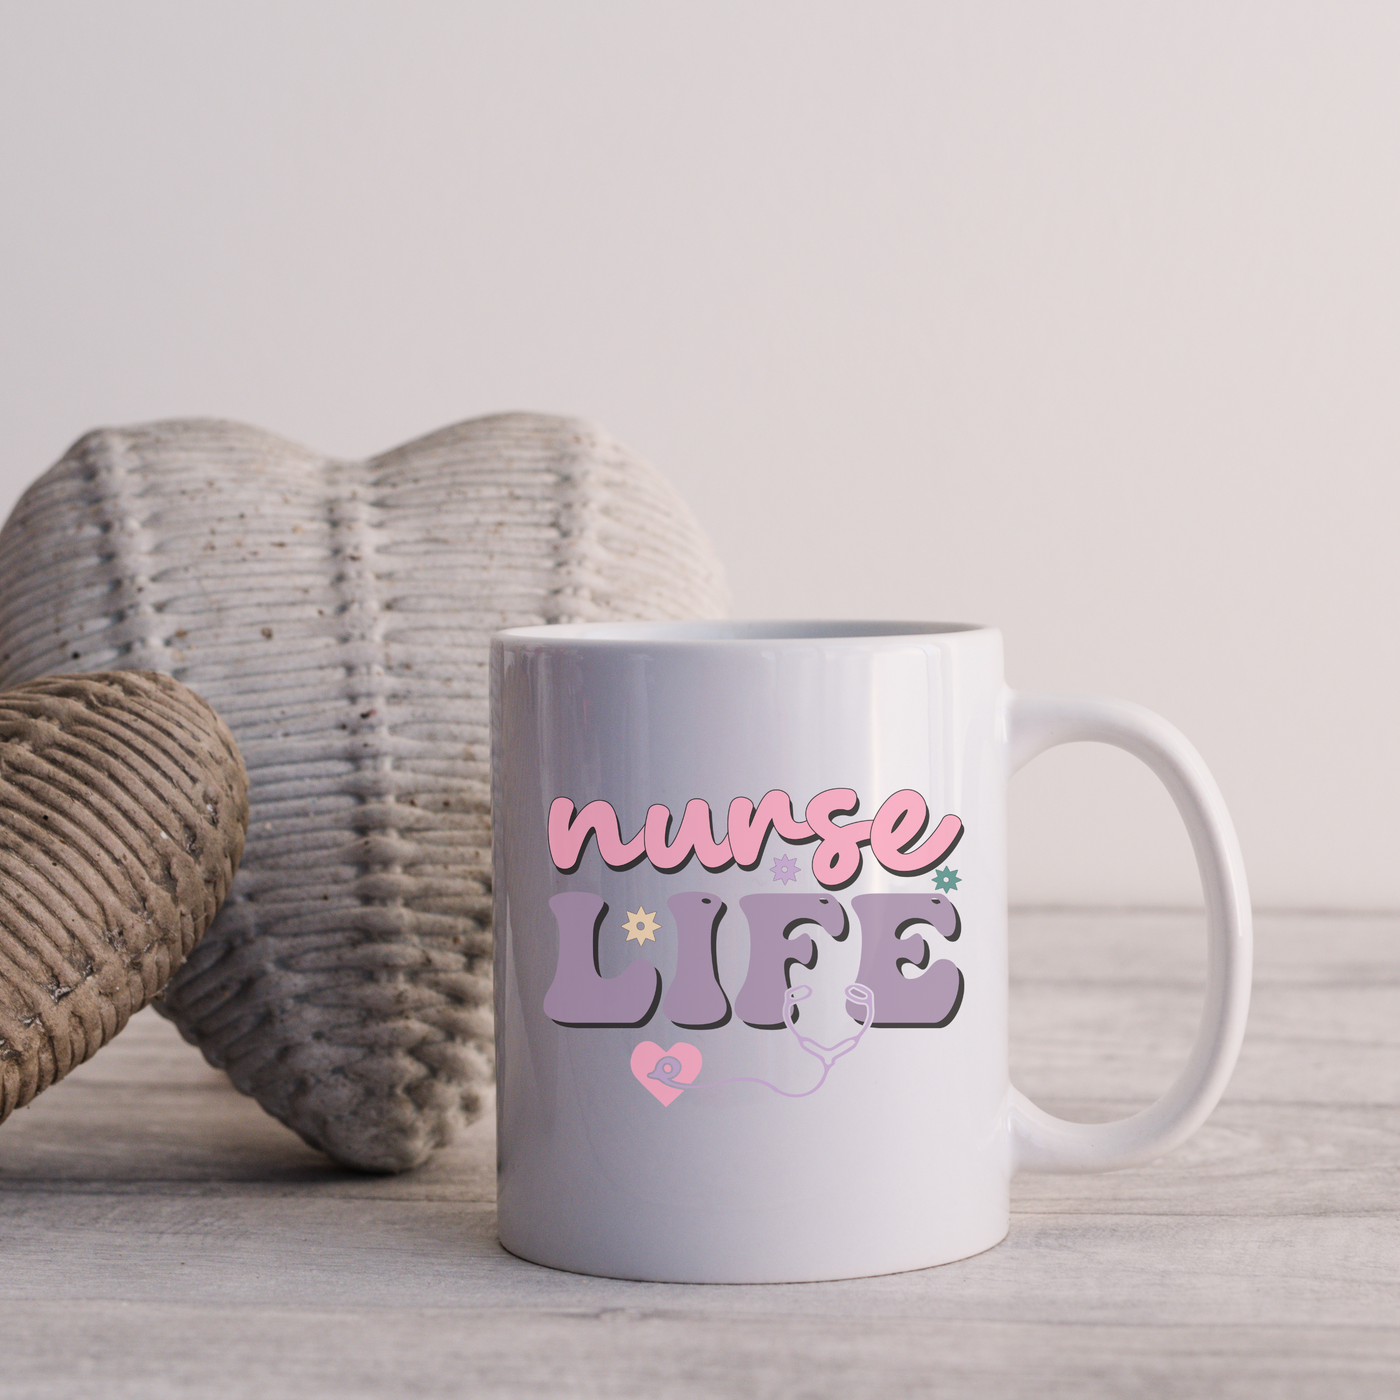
{"x": 1079, "y": 318}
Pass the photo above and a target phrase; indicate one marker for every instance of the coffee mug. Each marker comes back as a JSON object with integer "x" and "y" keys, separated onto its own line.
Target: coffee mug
{"x": 751, "y": 954}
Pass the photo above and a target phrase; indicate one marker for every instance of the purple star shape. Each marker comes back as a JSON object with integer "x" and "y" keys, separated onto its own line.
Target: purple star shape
{"x": 784, "y": 868}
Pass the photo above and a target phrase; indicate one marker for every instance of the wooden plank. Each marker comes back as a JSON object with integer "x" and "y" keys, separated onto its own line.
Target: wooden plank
{"x": 1105, "y": 1008}
{"x": 1249, "y": 1159}
{"x": 621, "y": 1353}
{"x": 1153, "y": 946}
{"x": 1130, "y": 1042}
{"x": 1125, "y": 1270}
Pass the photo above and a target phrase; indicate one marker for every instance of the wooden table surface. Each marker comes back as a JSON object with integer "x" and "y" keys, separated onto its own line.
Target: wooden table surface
{"x": 162, "y": 1237}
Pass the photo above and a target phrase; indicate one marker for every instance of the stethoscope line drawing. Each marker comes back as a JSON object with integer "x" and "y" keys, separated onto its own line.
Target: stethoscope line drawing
{"x": 668, "y": 1066}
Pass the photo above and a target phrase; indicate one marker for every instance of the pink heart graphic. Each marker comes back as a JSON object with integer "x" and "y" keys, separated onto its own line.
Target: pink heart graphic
{"x": 645, "y": 1058}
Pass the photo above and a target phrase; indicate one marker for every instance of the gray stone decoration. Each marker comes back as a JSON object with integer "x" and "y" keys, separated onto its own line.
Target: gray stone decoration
{"x": 337, "y": 614}
{"x": 123, "y": 807}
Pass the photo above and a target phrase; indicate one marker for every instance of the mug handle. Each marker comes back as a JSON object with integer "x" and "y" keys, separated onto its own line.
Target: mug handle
{"x": 1042, "y": 1142}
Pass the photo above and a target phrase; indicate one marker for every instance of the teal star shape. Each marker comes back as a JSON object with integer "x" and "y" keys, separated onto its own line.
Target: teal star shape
{"x": 946, "y": 879}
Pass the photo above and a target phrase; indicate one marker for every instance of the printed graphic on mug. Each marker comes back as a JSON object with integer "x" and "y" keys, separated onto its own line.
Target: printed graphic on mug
{"x": 882, "y": 997}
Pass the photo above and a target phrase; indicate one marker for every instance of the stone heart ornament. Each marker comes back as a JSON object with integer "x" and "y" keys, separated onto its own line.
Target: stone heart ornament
{"x": 337, "y": 614}
{"x": 123, "y": 804}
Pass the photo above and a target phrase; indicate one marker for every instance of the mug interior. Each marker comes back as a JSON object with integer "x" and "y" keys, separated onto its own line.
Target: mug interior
{"x": 737, "y": 631}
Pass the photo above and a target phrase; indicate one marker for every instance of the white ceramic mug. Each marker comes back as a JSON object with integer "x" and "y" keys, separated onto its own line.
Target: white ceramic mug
{"x": 751, "y": 959}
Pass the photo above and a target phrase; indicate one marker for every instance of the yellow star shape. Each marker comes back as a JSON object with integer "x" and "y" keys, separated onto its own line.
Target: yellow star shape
{"x": 641, "y": 926}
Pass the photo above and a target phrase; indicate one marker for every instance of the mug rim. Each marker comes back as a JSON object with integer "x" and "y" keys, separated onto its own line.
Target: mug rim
{"x": 739, "y": 631}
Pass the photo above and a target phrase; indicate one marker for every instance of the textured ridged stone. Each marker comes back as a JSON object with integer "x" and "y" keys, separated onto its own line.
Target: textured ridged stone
{"x": 123, "y": 807}
{"x": 338, "y": 616}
